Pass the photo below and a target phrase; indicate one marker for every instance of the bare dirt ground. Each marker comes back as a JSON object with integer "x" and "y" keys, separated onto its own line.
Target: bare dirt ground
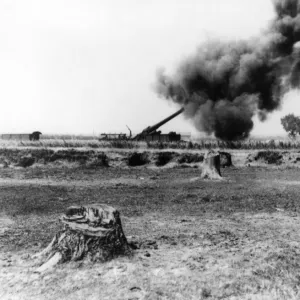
{"x": 233, "y": 239}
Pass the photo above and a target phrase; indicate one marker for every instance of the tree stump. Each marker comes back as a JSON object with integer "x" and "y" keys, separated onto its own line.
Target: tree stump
{"x": 211, "y": 166}
{"x": 93, "y": 232}
{"x": 225, "y": 159}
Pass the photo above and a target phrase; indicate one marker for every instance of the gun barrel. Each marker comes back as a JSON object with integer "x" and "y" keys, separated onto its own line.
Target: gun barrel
{"x": 164, "y": 121}
{"x": 153, "y": 128}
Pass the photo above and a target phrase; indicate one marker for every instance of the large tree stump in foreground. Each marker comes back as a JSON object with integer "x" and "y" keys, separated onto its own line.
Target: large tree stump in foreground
{"x": 211, "y": 166}
{"x": 93, "y": 232}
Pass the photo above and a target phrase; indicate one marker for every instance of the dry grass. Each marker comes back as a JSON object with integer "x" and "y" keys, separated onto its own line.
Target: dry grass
{"x": 203, "y": 144}
{"x": 235, "y": 239}
{"x": 68, "y": 143}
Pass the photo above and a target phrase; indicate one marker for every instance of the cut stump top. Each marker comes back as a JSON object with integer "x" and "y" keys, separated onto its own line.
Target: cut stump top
{"x": 94, "y": 220}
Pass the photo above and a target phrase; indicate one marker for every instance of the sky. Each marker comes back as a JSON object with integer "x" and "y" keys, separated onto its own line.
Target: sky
{"x": 89, "y": 66}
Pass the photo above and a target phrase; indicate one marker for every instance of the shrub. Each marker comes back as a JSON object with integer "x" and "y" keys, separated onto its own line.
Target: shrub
{"x": 270, "y": 157}
{"x": 162, "y": 158}
{"x": 26, "y": 161}
{"x": 137, "y": 159}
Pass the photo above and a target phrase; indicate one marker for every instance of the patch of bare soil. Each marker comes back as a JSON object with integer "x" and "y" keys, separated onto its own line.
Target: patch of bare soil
{"x": 192, "y": 239}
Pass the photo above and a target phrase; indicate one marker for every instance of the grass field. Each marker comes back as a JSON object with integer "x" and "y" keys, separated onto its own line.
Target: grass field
{"x": 199, "y": 144}
{"x": 238, "y": 238}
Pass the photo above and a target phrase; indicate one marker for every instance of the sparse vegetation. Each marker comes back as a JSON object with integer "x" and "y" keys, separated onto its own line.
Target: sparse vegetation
{"x": 162, "y": 158}
{"x": 28, "y": 157}
{"x": 270, "y": 157}
{"x": 96, "y": 158}
{"x": 203, "y": 223}
{"x": 186, "y": 231}
{"x": 26, "y": 161}
{"x": 188, "y": 158}
{"x": 207, "y": 144}
{"x": 202, "y": 144}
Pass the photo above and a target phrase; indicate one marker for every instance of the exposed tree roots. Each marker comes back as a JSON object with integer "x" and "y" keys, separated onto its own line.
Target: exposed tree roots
{"x": 211, "y": 166}
{"x": 93, "y": 232}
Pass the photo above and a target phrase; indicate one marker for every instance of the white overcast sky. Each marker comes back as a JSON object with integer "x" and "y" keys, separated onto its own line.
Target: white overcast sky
{"x": 84, "y": 66}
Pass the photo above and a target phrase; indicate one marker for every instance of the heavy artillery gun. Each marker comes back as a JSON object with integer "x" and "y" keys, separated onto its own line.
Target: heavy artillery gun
{"x": 150, "y": 133}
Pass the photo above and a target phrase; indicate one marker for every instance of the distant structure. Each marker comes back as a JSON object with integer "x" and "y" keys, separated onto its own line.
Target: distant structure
{"x": 34, "y": 136}
{"x": 113, "y": 136}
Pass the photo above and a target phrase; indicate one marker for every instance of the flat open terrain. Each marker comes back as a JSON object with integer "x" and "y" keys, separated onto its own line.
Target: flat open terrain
{"x": 233, "y": 239}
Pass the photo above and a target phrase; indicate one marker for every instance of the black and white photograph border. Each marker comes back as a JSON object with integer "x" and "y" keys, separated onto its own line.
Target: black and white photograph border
{"x": 150, "y": 149}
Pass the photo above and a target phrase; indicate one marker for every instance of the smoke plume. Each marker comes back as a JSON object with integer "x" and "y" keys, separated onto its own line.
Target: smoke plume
{"x": 223, "y": 85}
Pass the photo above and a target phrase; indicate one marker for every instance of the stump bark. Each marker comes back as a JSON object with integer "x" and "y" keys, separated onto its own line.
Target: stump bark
{"x": 211, "y": 166}
{"x": 94, "y": 232}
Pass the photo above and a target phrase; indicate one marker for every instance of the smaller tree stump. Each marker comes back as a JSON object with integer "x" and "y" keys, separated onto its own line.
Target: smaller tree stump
{"x": 211, "y": 166}
{"x": 92, "y": 231}
{"x": 225, "y": 159}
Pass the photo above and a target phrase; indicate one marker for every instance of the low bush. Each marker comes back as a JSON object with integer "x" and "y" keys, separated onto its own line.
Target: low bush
{"x": 26, "y": 161}
{"x": 162, "y": 158}
{"x": 136, "y": 159}
{"x": 270, "y": 157}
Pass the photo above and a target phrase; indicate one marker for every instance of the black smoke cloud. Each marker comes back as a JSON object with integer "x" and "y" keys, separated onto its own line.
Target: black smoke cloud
{"x": 223, "y": 85}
